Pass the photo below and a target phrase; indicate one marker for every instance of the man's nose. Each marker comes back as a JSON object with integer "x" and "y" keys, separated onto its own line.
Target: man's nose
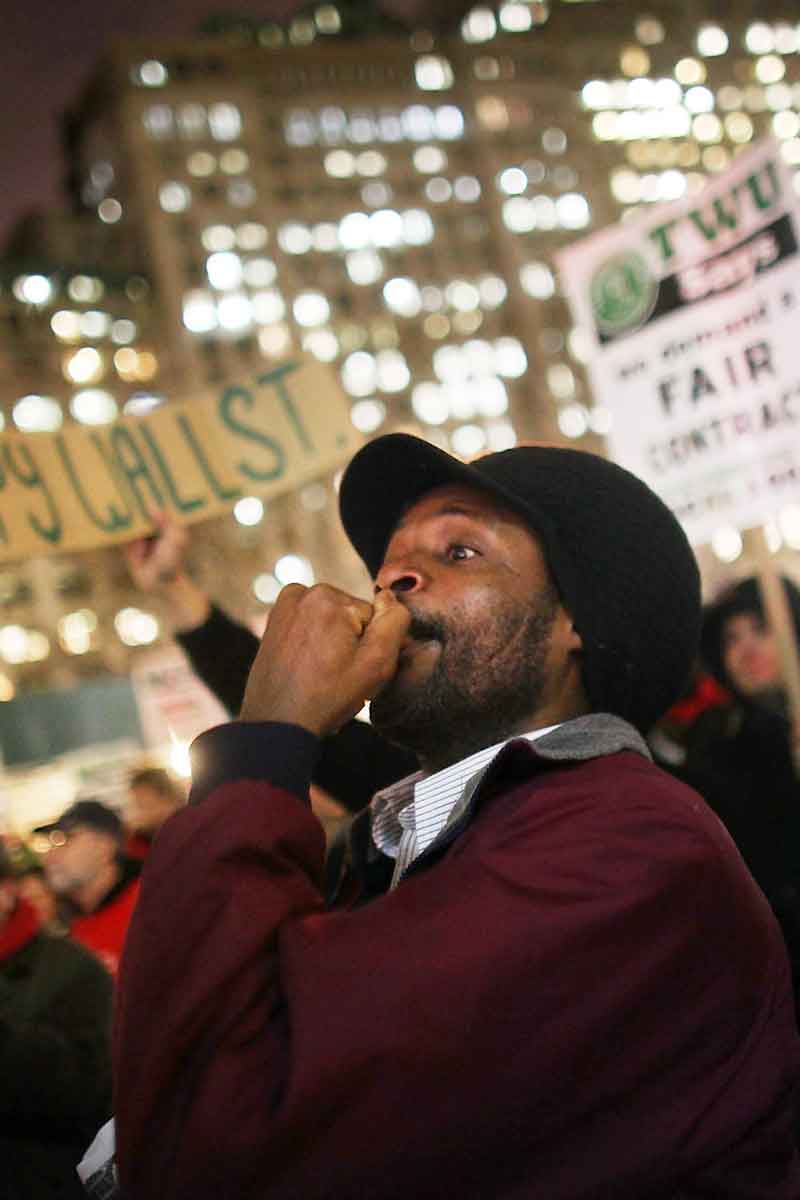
{"x": 399, "y": 578}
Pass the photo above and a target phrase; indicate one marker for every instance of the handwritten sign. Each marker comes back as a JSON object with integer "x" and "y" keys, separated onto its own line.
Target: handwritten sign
{"x": 692, "y": 313}
{"x": 86, "y": 487}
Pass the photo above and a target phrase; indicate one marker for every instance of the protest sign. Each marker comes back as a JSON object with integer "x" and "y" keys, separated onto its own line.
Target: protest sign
{"x": 85, "y": 487}
{"x": 692, "y": 314}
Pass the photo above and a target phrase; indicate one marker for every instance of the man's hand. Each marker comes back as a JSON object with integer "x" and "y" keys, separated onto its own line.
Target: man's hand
{"x": 156, "y": 565}
{"x": 322, "y": 655}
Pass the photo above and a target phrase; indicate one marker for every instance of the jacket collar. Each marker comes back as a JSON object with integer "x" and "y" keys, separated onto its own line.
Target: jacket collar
{"x": 595, "y": 735}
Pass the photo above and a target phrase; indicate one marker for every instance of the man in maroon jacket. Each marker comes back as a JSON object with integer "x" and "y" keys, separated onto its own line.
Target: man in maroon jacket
{"x": 550, "y": 976}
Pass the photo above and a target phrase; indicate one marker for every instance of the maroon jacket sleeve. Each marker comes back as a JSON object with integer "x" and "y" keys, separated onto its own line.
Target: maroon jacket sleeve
{"x": 585, "y": 996}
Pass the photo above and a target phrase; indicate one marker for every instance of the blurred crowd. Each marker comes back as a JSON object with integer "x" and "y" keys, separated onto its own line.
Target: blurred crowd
{"x": 64, "y": 913}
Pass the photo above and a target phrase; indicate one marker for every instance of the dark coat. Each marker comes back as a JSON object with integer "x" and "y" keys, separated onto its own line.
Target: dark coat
{"x": 575, "y": 992}
{"x": 55, "y": 1072}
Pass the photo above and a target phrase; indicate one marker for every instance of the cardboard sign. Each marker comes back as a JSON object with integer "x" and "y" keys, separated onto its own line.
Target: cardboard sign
{"x": 174, "y": 705}
{"x": 693, "y": 317}
{"x": 85, "y": 487}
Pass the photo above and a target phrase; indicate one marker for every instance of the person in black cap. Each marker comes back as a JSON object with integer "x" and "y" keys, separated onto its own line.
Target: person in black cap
{"x": 55, "y": 1055}
{"x": 99, "y": 885}
{"x": 565, "y": 983}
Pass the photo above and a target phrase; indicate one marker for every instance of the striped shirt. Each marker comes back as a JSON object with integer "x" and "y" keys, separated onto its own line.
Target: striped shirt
{"x": 408, "y": 815}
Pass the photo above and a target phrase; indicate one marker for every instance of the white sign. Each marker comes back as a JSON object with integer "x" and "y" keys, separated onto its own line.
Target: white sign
{"x": 174, "y": 705}
{"x": 693, "y": 319}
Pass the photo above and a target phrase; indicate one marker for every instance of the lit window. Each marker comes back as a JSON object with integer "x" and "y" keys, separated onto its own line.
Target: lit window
{"x": 510, "y": 358}
{"x": 192, "y": 120}
{"x": 429, "y": 404}
{"x": 159, "y": 121}
{"x": 33, "y": 289}
{"x": 572, "y": 211}
{"x": 370, "y": 162}
{"x": 430, "y": 159}
{"x": 689, "y": 71}
{"x": 136, "y": 628}
{"x": 519, "y": 214}
{"x": 392, "y": 373}
{"x": 699, "y": 100}
{"x": 294, "y": 568}
{"x": 439, "y": 190}
{"x": 199, "y": 312}
{"x": 259, "y": 272}
{"x": 93, "y": 407}
{"x": 462, "y": 296}
{"x": 224, "y": 122}
{"x": 513, "y": 181}
{"x": 235, "y": 312}
{"x": 95, "y": 324}
{"x": 573, "y": 420}
{"x": 537, "y": 280}
{"x": 361, "y": 128}
{"x": 268, "y": 307}
{"x": 294, "y": 238}
{"x": 266, "y": 588}
{"x": 433, "y": 73}
{"x": 707, "y": 128}
{"x": 311, "y": 308}
{"x": 712, "y": 41}
{"x": 37, "y": 414}
{"x": 251, "y": 235}
{"x": 66, "y": 325}
{"x": 418, "y": 123}
{"x": 300, "y": 128}
{"x": 109, "y": 211}
{"x": 739, "y": 127}
{"x": 596, "y": 94}
{"x": 84, "y": 366}
{"x": 325, "y": 237}
{"x": 249, "y": 510}
{"x": 364, "y": 266}
{"x": 493, "y": 291}
{"x": 515, "y": 17}
{"x": 151, "y": 73}
{"x": 418, "y": 227}
{"x": 201, "y": 163}
{"x": 726, "y": 543}
{"x": 376, "y": 194}
{"x": 634, "y": 61}
{"x": 218, "y": 237}
{"x": 449, "y": 123}
{"x": 322, "y": 343}
{"x": 233, "y": 162}
{"x": 241, "y": 193}
{"x": 174, "y": 197}
{"x": 402, "y": 296}
{"x": 359, "y": 373}
{"x": 386, "y": 228}
{"x": 770, "y": 68}
{"x": 561, "y": 381}
{"x": 368, "y": 415}
{"x": 479, "y": 26}
{"x": 275, "y": 340}
{"x": 468, "y": 440}
{"x": 224, "y": 270}
{"x": 340, "y": 164}
{"x": 554, "y": 141}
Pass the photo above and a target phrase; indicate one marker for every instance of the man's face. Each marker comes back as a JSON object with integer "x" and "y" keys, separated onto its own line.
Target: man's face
{"x": 78, "y": 861}
{"x": 750, "y": 654}
{"x": 490, "y": 649}
{"x": 148, "y": 808}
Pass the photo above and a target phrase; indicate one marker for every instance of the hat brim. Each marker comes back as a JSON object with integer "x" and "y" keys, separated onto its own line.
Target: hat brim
{"x": 389, "y": 475}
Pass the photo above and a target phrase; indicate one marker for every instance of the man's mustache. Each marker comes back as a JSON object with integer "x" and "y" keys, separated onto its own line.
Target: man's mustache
{"x": 426, "y": 628}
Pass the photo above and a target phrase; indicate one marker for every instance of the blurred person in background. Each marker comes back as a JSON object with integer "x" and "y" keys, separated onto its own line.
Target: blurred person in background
{"x": 740, "y": 755}
{"x": 95, "y": 881}
{"x": 55, "y": 1072}
{"x": 153, "y": 796}
{"x": 33, "y": 887}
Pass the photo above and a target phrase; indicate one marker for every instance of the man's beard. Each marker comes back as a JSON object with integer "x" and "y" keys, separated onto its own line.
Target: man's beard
{"x": 487, "y": 682}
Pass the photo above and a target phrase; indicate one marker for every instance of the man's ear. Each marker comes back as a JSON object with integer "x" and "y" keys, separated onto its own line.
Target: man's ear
{"x": 573, "y": 639}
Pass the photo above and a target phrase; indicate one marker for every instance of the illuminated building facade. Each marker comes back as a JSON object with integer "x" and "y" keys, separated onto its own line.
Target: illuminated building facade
{"x": 392, "y": 206}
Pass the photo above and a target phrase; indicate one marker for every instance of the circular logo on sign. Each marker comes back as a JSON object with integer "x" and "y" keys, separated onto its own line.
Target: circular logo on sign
{"x": 623, "y": 293}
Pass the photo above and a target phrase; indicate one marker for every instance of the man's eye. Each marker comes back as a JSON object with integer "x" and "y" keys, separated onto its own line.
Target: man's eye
{"x": 459, "y": 553}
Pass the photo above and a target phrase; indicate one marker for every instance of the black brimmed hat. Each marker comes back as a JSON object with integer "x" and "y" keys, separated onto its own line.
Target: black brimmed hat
{"x": 619, "y": 558}
{"x": 90, "y": 813}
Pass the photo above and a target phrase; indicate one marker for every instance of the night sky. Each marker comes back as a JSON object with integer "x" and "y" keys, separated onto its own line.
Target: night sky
{"x": 49, "y": 49}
